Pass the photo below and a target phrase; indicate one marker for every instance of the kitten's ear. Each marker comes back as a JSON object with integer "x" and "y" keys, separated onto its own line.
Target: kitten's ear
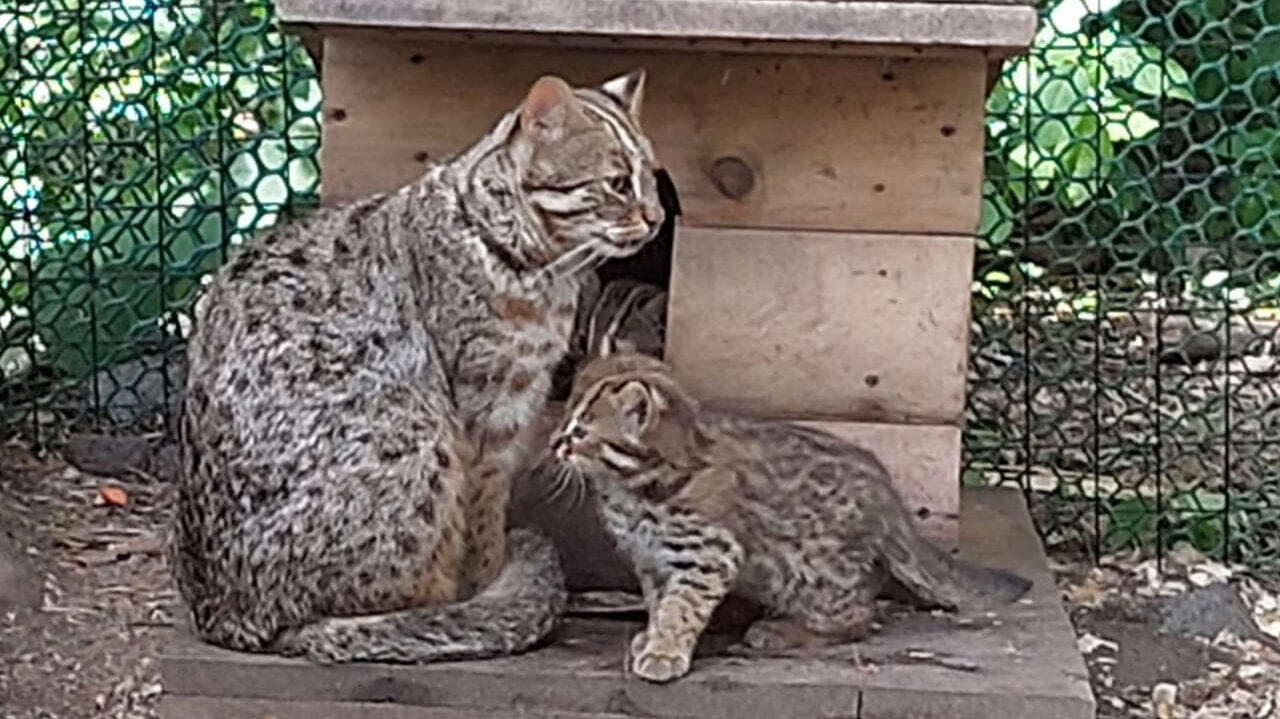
{"x": 611, "y": 345}
{"x": 628, "y": 90}
{"x": 550, "y": 111}
{"x": 635, "y": 405}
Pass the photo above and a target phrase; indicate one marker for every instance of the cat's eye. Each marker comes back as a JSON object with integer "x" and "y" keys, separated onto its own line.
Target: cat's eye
{"x": 620, "y": 184}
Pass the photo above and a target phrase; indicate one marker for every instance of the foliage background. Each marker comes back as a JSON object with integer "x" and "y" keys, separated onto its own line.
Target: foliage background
{"x": 139, "y": 139}
{"x": 1123, "y": 367}
{"x": 1132, "y": 201}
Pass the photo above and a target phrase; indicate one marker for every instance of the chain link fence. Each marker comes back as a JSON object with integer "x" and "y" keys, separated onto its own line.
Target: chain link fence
{"x": 1123, "y": 360}
{"x": 1123, "y": 366}
{"x": 139, "y": 140}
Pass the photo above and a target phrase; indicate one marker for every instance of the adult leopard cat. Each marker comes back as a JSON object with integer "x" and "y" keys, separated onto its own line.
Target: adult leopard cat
{"x": 361, "y": 385}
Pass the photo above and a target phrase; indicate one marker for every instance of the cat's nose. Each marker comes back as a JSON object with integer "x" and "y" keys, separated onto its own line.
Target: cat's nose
{"x": 652, "y": 213}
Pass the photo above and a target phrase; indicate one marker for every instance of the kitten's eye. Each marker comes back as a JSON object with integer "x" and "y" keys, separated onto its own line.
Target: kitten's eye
{"x": 620, "y": 184}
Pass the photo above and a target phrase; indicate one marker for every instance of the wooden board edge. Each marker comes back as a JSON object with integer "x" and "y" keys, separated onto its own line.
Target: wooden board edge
{"x": 971, "y": 25}
{"x": 995, "y": 54}
{"x": 203, "y": 707}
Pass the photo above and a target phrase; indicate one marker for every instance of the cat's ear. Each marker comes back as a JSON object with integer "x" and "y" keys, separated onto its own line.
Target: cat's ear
{"x": 550, "y": 111}
{"x": 635, "y": 405}
{"x": 611, "y": 345}
{"x": 627, "y": 90}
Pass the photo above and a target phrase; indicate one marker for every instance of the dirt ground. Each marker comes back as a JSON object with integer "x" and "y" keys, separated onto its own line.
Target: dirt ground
{"x": 87, "y": 647}
{"x": 90, "y": 554}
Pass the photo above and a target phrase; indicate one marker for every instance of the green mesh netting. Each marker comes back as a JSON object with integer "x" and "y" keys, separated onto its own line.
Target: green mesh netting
{"x": 1125, "y": 296}
{"x": 1123, "y": 366}
{"x": 139, "y": 139}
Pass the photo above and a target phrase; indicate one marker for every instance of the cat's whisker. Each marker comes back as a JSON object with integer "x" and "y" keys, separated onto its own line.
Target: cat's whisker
{"x": 555, "y": 486}
{"x": 566, "y": 480}
{"x": 591, "y": 260}
{"x": 580, "y": 485}
{"x": 562, "y": 485}
{"x": 568, "y": 258}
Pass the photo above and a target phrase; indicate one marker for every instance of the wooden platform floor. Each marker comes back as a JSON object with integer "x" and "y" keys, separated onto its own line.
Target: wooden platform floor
{"x": 1020, "y": 663}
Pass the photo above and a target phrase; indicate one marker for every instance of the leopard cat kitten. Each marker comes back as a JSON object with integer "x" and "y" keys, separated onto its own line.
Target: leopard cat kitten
{"x": 625, "y": 310}
{"x": 803, "y": 523}
{"x": 361, "y": 386}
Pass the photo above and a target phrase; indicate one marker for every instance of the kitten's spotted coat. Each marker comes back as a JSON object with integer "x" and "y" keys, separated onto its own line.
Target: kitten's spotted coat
{"x": 802, "y": 522}
{"x": 361, "y": 387}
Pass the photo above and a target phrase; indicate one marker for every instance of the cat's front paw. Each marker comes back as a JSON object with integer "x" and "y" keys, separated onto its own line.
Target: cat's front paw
{"x": 659, "y": 664}
{"x": 637, "y": 644}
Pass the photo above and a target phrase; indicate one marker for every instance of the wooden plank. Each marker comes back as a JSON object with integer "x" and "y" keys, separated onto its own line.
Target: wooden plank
{"x": 822, "y": 325}
{"x": 977, "y": 23}
{"x": 923, "y": 462}
{"x": 996, "y": 530}
{"x": 832, "y": 143}
{"x": 581, "y": 673}
{"x": 191, "y": 707}
{"x": 1023, "y": 656}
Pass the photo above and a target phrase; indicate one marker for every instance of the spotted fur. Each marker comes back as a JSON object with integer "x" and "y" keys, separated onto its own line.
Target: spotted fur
{"x": 703, "y": 504}
{"x": 361, "y": 386}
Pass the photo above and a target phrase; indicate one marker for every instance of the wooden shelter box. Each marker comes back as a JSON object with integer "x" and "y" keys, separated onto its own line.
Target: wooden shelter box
{"x": 828, "y": 156}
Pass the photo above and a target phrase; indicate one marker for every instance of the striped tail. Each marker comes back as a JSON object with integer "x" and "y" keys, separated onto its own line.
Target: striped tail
{"x": 948, "y": 581}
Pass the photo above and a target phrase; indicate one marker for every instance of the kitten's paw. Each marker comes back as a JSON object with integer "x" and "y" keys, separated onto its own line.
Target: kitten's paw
{"x": 660, "y": 665}
{"x": 766, "y": 635}
{"x": 638, "y": 643}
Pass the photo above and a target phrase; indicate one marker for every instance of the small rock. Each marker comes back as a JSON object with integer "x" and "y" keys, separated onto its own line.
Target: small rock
{"x": 1087, "y": 643}
{"x": 1207, "y": 612}
{"x": 1148, "y": 656}
{"x": 1164, "y": 699}
{"x": 121, "y": 456}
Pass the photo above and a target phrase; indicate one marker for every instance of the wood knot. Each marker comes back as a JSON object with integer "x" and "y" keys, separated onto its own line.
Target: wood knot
{"x": 733, "y": 177}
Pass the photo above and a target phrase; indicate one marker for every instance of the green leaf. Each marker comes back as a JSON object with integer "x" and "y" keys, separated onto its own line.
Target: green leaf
{"x": 1077, "y": 194}
{"x": 1250, "y": 211}
{"x": 1129, "y": 125}
{"x": 997, "y": 277}
{"x": 1057, "y": 95}
{"x": 1133, "y": 522}
{"x": 1051, "y": 135}
{"x": 1125, "y": 62}
{"x": 996, "y": 223}
{"x": 1080, "y": 161}
{"x": 998, "y": 101}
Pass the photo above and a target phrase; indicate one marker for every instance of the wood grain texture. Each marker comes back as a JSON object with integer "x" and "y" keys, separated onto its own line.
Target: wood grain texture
{"x": 1002, "y": 24}
{"x": 822, "y": 325}
{"x": 580, "y": 673}
{"x": 833, "y": 143}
